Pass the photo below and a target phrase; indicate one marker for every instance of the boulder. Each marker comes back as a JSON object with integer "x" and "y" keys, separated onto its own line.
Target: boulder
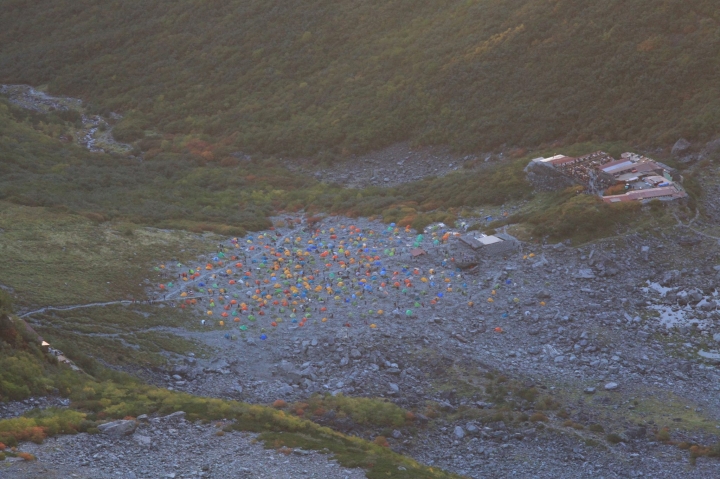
{"x": 544, "y": 294}
{"x": 285, "y": 390}
{"x": 289, "y": 371}
{"x": 706, "y": 305}
{"x": 586, "y": 273}
{"x": 695, "y": 296}
{"x": 710, "y": 149}
{"x": 118, "y": 428}
{"x": 681, "y": 147}
{"x": 176, "y": 416}
{"x": 142, "y": 440}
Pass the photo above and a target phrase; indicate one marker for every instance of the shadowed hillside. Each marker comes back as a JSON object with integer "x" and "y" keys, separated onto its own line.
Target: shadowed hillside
{"x": 296, "y": 78}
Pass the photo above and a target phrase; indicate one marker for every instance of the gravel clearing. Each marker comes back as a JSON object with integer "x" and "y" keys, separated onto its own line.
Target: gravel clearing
{"x": 170, "y": 448}
{"x": 581, "y": 321}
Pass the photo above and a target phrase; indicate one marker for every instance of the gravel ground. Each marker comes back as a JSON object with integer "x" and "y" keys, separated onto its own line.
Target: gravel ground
{"x": 18, "y": 408}
{"x": 593, "y": 318}
{"x": 616, "y": 324}
{"x": 170, "y": 448}
{"x": 391, "y": 166}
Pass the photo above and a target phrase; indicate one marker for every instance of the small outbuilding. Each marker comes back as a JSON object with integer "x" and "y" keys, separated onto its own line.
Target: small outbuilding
{"x": 493, "y": 244}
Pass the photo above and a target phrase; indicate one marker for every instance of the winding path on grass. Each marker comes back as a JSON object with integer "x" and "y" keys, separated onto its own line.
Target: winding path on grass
{"x": 689, "y": 226}
{"x": 91, "y": 305}
{"x": 169, "y": 297}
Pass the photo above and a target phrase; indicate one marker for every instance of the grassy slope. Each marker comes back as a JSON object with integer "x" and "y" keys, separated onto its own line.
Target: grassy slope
{"x": 25, "y": 370}
{"x": 175, "y": 189}
{"x": 295, "y": 78}
{"x": 55, "y": 258}
{"x": 39, "y": 169}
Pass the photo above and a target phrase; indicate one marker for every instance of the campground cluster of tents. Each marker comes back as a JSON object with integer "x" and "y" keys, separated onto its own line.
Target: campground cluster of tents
{"x": 345, "y": 275}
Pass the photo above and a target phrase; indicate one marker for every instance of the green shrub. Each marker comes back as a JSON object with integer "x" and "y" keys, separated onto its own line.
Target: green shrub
{"x": 596, "y": 428}
{"x": 663, "y": 435}
{"x": 363, "y": 411}
{"x": 547, "y": 403}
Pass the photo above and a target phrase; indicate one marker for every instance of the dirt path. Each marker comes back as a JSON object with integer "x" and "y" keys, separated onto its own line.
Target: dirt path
{"x": 689, "y": 226}
{"x": 93, "y": 305}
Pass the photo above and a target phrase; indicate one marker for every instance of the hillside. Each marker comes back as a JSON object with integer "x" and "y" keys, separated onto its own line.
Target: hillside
{"x": 338, "y": 77}
{"x": 283, "y": 239}
{"x": 179, "y": 189}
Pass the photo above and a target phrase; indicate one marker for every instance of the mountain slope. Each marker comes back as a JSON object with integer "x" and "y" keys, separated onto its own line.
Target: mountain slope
{"x": 297, "y": 78}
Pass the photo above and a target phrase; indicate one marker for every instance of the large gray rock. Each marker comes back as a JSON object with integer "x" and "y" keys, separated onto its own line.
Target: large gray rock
{"x": 681, "y": 147}
{"x": 142, "y": 440}
{"x": 670, "y": 277}
{"x": 585, "y": 273}
{"x": 176, "y": 416}
{"x": 544, "y": 294}
{"x": 459, "y": 432}
{"x": 309, "y": 372}
{"x": 118, "y": 428}
{"x": 285, "y": 390}
{"x": 706, "y": 305}
{"x": 289, "y": 371}
{"x": 710, "y": 150}
{"x": 695, "y": 296}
